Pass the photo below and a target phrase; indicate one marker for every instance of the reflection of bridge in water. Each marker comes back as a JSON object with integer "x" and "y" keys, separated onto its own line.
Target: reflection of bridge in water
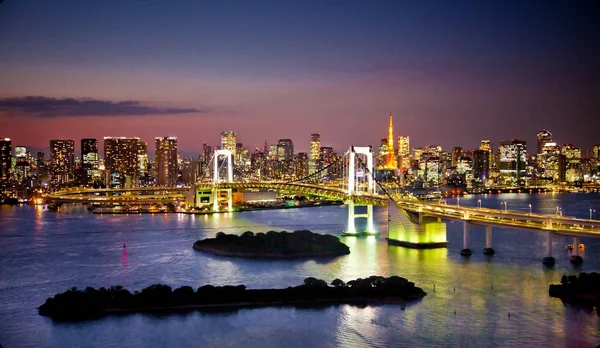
{"x": 411, "y": 222}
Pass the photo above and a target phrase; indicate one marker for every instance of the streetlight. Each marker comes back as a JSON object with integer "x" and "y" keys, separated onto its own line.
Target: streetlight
{"x": 530, "y": 209}
{"x": 458, "y": 201}
{"x": 479, "y": 203}
{"x": 592, "y": 212}
{"x": 504, "y": 206}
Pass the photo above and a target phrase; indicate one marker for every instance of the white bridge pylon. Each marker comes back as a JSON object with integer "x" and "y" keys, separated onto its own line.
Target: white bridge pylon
{"x": 215, "y": 191}
{"x": 353, "y": 188}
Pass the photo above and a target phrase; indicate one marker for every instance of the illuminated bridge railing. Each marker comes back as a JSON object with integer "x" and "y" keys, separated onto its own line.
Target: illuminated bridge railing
{"x": 485, "y": 216}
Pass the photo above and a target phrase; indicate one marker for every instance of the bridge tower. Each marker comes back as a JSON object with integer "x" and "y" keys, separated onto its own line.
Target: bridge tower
{"x": 216, "y": 191}
{"x": 354, "y": 186}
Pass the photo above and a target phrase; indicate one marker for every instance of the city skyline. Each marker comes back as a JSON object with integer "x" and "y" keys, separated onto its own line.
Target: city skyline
{"x": 265, "y": 72}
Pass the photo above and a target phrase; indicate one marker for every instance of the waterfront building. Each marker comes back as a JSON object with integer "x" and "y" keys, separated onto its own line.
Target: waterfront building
{"x": 543, "y": 137}
{"x": 481, "y": 164}
{"x": 5, "y": 162}
{"x": 62, "y": 160}
{"x": 22, "y": 164}
{"x": 572, "y": 165}
{"x": 314, "y": 154}
{"x": 89, "y": 159}
{"x": 228, "y": 142}
{"x": 512, "y": 162}
{"x": 166, "y": 160}
{"x": 121, "y": 161}
{"x": 549, "y": 161}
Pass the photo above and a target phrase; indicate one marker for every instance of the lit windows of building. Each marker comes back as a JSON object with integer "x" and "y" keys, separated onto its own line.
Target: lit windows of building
{"x": 166, "y": 161}
{"x": 512, "y": 162}
{"x": 285, "y": 150}
{"x": 543, "y": 137}
{"x": 315, "y": 152}
{"x": 62, "y": 160}
{"x": 456, "y": 155}
{"x": 228, "y": 142}
{"x": 121, "y": 156}
{"x": 481, "y": 164}
{"x": 5, "y": 162}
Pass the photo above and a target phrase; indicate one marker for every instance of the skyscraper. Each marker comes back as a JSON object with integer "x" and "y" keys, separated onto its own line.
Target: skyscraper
{"x": 166, "y": 160}
{"x": 62, "y": 160}
{"x": 456, "y": 155}
{"x": 121, "y": 160}
{"x": 390, "y": 162}
{"x": 404, "y": 152}
{"x": 315, "y": 149}
{"x": 285, "y": 150}
{"x": 543, "y": 137}
{"x": 89, "y": 154}
{"x": 228, "y": 141}
{"x": 481, "y": 164}
{"x": 513, "y": 160}
{"x": 5, "y": 161}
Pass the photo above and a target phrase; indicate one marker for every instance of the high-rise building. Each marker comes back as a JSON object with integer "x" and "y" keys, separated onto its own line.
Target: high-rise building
{"x": 327, "y": 155}
{"x": 5, "y": 161}
{"x": 513, "y": 161}
{"x": 301, "y": 164}
{"x": 543, "y": 137}
{"x": 404, "y": 152}
{"x": 89, "y": 156}
{"x": 285, "y": 150}
{"x": 596, "y": 151}
{"x": 22, "y": 163}
{"x": 62, "y": 160}
{"x": 390, "y": 162}
{"x": 549, "y": 160}
{"x": 228, "y": 141}
{"x": 481, "y": 164}
{"x": 485, "y": 145}
{"x": 121, "y": 160}
{"x": 313, "y": 156}
{"x": 572, "y": 163}
{"x": 166, "y": 160}
{"x": 456, "y": 155}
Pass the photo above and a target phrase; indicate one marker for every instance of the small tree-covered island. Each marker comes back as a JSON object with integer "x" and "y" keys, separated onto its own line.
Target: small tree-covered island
{"x": 584, "y": 289}
{"x": 298, "y": 244}
{"x": 75, "y": 305}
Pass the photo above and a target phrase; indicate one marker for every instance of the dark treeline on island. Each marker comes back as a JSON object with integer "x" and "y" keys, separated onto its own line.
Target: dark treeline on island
{"x": 74, "y": 304}
{"x": 273, "y": 244}
{"x": 584, "y": 289}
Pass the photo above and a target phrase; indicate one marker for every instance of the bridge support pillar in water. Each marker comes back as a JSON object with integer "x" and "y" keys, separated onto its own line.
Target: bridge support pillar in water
{"x": 352, "y": 216}
{"x": 576, "y": 259}
{"x": 488, "y": 250}
{"x": 414, "y": 230}
{"x": 466, "y": 229}
{"x": 549, "y": 260}
{"x": 217, "y": 194}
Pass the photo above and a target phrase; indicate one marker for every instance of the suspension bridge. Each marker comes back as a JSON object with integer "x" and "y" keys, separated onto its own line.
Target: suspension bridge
{"x": 351, "y": 179}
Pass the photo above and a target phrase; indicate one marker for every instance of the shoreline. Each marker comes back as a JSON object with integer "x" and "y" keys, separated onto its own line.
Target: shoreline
{"x": 90, "y": 303}
{"x": 266, "y": 256}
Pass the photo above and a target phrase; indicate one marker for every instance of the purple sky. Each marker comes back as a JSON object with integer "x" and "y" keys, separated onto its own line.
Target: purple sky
{"x": 452, "y": 72}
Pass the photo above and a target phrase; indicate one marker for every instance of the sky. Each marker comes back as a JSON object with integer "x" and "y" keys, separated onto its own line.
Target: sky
{"x": 452, "y": 72}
